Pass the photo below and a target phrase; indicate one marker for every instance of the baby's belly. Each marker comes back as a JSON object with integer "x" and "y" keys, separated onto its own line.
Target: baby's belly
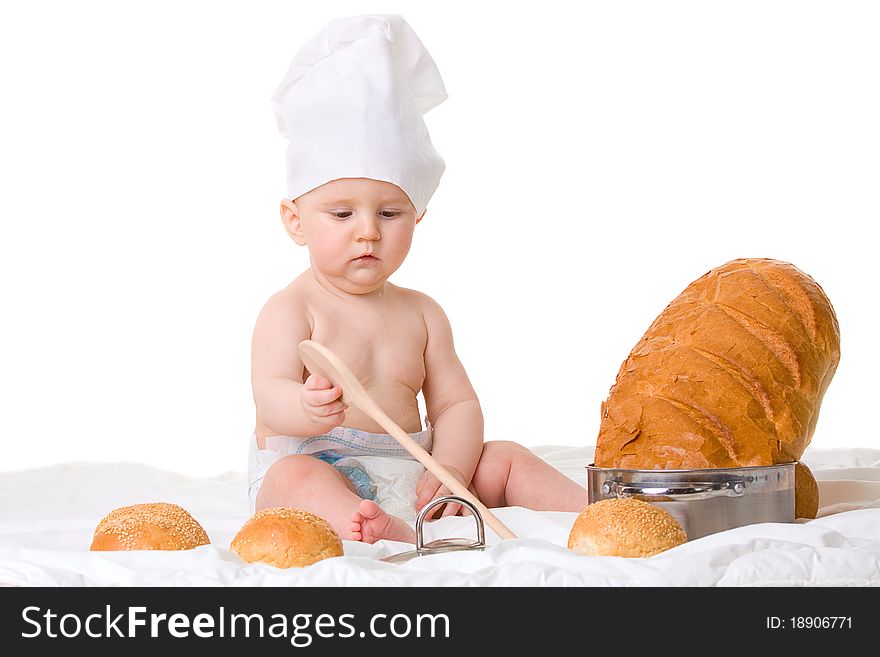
{"x": 400, "y": 406}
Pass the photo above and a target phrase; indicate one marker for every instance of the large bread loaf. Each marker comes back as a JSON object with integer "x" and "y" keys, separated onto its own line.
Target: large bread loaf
{"x": 732, "y": 373}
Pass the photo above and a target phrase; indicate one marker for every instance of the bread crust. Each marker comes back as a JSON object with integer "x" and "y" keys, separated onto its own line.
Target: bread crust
{"x": 806, "y": 492}
{"x": 732, "y": 373}
{"x": 624, "y": 527}
{"x": 287, "y": 538}
{"x": 153, "y": 526}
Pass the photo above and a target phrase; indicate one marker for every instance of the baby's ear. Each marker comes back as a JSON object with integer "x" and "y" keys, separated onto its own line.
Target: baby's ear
{"x": 291, "y": 220}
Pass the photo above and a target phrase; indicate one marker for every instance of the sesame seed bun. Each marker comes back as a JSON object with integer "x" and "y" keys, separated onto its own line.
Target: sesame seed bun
{"x": 806, "y": 492}
{"x": 286, "y": 538}
{"x": 624, "y": 527}
{"x": 156, "y": 526}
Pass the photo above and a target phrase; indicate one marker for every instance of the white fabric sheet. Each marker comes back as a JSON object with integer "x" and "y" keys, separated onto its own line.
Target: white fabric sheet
{"x": 48, "y": 515}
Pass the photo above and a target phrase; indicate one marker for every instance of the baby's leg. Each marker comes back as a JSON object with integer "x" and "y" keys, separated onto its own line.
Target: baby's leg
{"x": 307, "y": 483}
{"x": 508, "y": 474}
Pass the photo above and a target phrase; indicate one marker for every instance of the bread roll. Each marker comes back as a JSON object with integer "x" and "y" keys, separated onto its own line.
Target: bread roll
{"x": 806, "y": 492}
{"x": 287, "y": 538}
{"x": 732, "y": 373}
{"x": 624, "y": 527}
{"x": 156, "y": 526}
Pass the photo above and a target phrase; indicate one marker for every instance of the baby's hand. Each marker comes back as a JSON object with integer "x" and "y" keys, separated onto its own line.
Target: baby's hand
{"x": 429, "y": 488}
{"x": 322, "y": 403}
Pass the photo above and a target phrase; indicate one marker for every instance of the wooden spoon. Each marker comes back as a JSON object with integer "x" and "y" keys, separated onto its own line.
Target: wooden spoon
{"x": 320, "y": 360}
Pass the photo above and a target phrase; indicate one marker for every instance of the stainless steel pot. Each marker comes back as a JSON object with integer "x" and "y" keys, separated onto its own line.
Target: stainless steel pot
{"x": 706, "y": 500}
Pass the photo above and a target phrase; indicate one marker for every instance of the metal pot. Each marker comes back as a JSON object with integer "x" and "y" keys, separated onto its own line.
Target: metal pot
{"x": 705, "y": 500}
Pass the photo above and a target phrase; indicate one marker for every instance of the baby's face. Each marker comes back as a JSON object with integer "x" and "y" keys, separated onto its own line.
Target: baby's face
{"x": 358, "y": 231}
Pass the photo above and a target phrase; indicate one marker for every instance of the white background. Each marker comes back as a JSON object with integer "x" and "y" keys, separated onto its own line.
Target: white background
{"x": 600, "y": 157}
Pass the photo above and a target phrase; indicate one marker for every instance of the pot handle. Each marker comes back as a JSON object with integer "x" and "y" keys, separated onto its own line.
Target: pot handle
{"x": 478, "y": 518}
{"x": 692, "y": 490}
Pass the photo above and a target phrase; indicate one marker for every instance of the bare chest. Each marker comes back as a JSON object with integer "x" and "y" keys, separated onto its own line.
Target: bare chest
{"x": 383, "y": 346}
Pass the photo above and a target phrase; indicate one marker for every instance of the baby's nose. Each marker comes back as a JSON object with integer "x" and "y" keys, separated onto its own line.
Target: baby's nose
{"x": 368, "y": 229}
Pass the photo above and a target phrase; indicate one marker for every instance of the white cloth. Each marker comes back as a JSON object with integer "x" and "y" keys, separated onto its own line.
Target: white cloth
{"x": 351, "y": 105}
{"x": 48, "y": 516}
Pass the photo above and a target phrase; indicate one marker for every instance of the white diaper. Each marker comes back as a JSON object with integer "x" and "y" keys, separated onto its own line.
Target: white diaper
{"x": 378, "y": 466}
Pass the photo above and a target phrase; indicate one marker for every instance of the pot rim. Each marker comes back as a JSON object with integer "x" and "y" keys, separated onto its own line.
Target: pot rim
{"x": 743, "y": 468}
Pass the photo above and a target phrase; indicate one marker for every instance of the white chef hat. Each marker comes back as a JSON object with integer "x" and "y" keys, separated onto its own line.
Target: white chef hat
{"x": 351, "y": 105}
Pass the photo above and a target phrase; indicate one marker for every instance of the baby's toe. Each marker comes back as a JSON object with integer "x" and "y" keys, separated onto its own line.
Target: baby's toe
{"x": 369, "y": 509}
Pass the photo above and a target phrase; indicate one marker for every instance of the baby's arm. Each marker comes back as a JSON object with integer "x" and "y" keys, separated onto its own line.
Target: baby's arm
{"x": 286, "y": 405}
{"x": 452, "y": 405}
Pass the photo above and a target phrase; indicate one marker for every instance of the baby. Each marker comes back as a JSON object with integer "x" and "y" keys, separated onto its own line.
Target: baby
{"x": 361, "y": 170}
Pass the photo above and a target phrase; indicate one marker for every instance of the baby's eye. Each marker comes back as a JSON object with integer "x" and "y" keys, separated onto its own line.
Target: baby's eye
{"x": 342, "y": 214}
{"x": 389, "y": 214}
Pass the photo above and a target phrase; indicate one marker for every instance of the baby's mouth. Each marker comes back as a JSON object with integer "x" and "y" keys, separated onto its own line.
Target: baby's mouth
{"x": 367, "y": 257}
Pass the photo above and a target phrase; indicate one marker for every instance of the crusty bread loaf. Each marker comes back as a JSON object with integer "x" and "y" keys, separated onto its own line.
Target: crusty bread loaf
{"x": 286, "y": 538}
{"x": 732, "y": 373}
{"x": 806, "y": 492}
{"x": 624, "y": 527}
{"x": 155, "y": 526}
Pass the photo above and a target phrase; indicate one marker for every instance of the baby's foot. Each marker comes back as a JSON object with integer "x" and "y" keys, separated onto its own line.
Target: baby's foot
{"x": 371, "y": 523}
